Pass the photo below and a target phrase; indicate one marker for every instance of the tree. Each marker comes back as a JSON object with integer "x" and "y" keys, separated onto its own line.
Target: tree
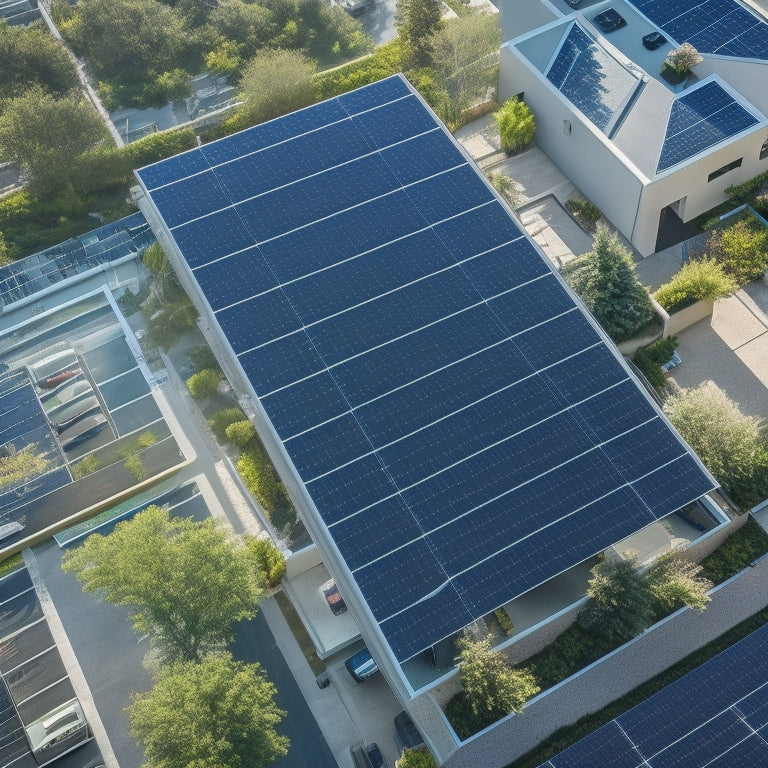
{"x": 741, "y": 249}
{"x": 18, "y": 466}
{"x": 186, "y": 583}
{"x": 674, "y": 581}
{"x": 46, "y": 135}
{"x": 517, "y": 125}
{"x": 493, "y": 687}
{"x": 31, "y": 56}
{"x": 268, "y": 558}
{"x": 416, "y": 22}
{"x": 5, "y": 257}
{"x": 465, "y": 59}
{"x": 219, "y": 713}
{"x": 416, "y": 758}
{"x": 731, "y": 444}
{"x": 203, "y": 383}
{"x": 243, "y": 28}
{"x": 619, "y": 605}
{"x": 606, "y": 282}
{"x": 275, "y": 83}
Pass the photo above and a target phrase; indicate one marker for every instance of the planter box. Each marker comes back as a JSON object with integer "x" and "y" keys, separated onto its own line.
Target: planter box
{"x": 681, "y": 319}
{"x": 672, "y": 76}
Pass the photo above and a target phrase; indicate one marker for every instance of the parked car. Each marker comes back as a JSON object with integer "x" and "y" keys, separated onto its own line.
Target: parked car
{"x": 49, "y": 382}
{"x": 610, "y": 20}
{"x": 407, "y": 735}
{"x": 333, "y": 597}
{"x": 361, "y": 666}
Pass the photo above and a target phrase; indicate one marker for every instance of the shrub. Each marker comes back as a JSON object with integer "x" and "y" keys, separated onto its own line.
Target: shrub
{"x": 241, "y": 433}
{"x": 650, "y": 359}
{"x": 136, "y": 467}
{"x": 606, "y": 282}
{"x": 507, "y": 625}
{"x": 204, "y": 383}
{"x": 220, "y": 420}
{"x": 731, "y": 444}
{"x": 269, "y": 559}
{"x": 262, "y": 481}
{"x": 85, "y": 466}
{"x": 747, "y": 191}
{"x": 674, "y": 581}
{"x": 698, "y": 279}
{"x": 416, "y": 758}
{"x": 17, "y": 466}
{"x": 202, "y": 357}
{"x": 736, "y": 552}
{"x": 741, "y": 249}
{"x": 619, "y": 604}
{"x": 506, "y": 187}
{"x": 585, "y": 212}
{"x": 517, "y": 125}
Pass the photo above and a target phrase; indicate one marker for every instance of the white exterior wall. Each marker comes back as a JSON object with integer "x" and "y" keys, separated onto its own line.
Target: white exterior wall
{"x": 750, "y": 78}
{"x": 584, "y": 155}
{"x": 690, "y": 182}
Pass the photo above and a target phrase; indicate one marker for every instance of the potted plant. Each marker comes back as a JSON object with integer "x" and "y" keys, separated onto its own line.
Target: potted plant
{"x": 679, "y": 63}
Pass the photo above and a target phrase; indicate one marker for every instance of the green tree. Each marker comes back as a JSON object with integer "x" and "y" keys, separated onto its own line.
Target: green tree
{"x": 30, "y": 56}
{"x": 697, "y": 279}
{"x": 17, "y": 466}
{"x": 606, "y": 282}
{"x": 219, "y": 421}
{"x": 416, "y": 758}
{"x": 46, "y": 135}
{"x": 741, "y": 249}
{"x": 262, "y": 480}
{"x": 268, "y": 558}
{"x": 186, "y": 583}
{"x": 619, "y": 605}
{"x": 203, "y": 383}
{"x": 243, "y": 28}
{"x": 417, "y": 21}
{"x": 731, "y": 444}
{"x": 465, "y": 59}
{"x": 275, "y": 83}
{"x": 241, "y": 433}
{"x": 675, "y": 581}
{"x": 491, "y": 685}
{"x": 516, "y": 124}
{"x": 5, "y": 257}
{"x": 219, "y": 713}
{"x": 224, "y": 59}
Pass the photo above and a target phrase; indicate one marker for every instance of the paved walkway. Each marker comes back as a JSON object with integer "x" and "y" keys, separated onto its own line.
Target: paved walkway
{"x": 731, "y": 349}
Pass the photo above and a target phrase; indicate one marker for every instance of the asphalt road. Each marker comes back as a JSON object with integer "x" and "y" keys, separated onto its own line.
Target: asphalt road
{"x": 308, "y": 747}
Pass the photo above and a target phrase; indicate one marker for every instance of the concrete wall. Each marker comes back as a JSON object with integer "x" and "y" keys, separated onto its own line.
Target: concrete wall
{"x": 683, "y": 318}
{"x": 634, "y": 663}
{"x": 584, "y": 154}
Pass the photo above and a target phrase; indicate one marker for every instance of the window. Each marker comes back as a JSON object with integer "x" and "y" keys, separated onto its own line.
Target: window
{"x": 720, "y": 171}
{"x": 763, "y": 150}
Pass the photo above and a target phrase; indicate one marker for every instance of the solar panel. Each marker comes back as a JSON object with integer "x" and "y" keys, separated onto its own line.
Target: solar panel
{"x": 700, "y": 119}
{"x": 463, "y": 430}
{"x": 720, "y": 27}
{"x": 712, "y": 716}
{"x": 590, "y": 78}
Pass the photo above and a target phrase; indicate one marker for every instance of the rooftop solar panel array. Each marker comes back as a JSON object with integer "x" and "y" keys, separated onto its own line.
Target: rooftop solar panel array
{"x": 590, "y": 78}
{"x": 22, "y": 422}
{"x": 722, "y": 27}
{"x": 715, "y": 716}
{"x": 701, "y": 118}
{"x": 463, "y": 430}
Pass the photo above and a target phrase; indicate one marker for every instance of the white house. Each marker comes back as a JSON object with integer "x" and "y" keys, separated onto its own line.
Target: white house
{"x": 642, "y": 149}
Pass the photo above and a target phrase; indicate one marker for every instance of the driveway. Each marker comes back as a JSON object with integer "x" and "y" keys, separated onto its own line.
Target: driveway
{"x": 731, "y": 349}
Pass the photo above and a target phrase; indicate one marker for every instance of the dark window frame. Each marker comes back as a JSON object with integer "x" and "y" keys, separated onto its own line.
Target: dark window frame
{"x": 722, "y": 171}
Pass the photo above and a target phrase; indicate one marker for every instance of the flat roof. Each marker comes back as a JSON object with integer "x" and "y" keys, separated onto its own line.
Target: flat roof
{"x": 462, "y": 427}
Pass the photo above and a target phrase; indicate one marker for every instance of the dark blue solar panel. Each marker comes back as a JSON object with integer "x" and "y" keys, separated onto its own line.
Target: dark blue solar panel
{"x": 748, "y": 754}
{"x": 173, "y": 169}
{"x": 430, "y": 378}
{"x": 699, "y": 120}
{"x": 608, "y": 747}
{"x": 754, "y": 708}
{"x": 192, "y": 197}
{"x": 721, "y": 27}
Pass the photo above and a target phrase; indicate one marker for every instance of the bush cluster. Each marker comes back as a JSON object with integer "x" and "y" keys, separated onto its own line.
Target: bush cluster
{"x": 650, "y": 359}
{"x": 736, "y": 552}
{"x": 269, "y": 559}
{"x": 585, "y": 212}
{"x": 698, "y": 279}
{"x": 741, "y": 249}
{"x": 516, "y": 124}
{"x": 204, "y": 383}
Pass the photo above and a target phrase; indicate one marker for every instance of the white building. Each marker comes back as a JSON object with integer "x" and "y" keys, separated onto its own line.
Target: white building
{"x": 639, "y": 147}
